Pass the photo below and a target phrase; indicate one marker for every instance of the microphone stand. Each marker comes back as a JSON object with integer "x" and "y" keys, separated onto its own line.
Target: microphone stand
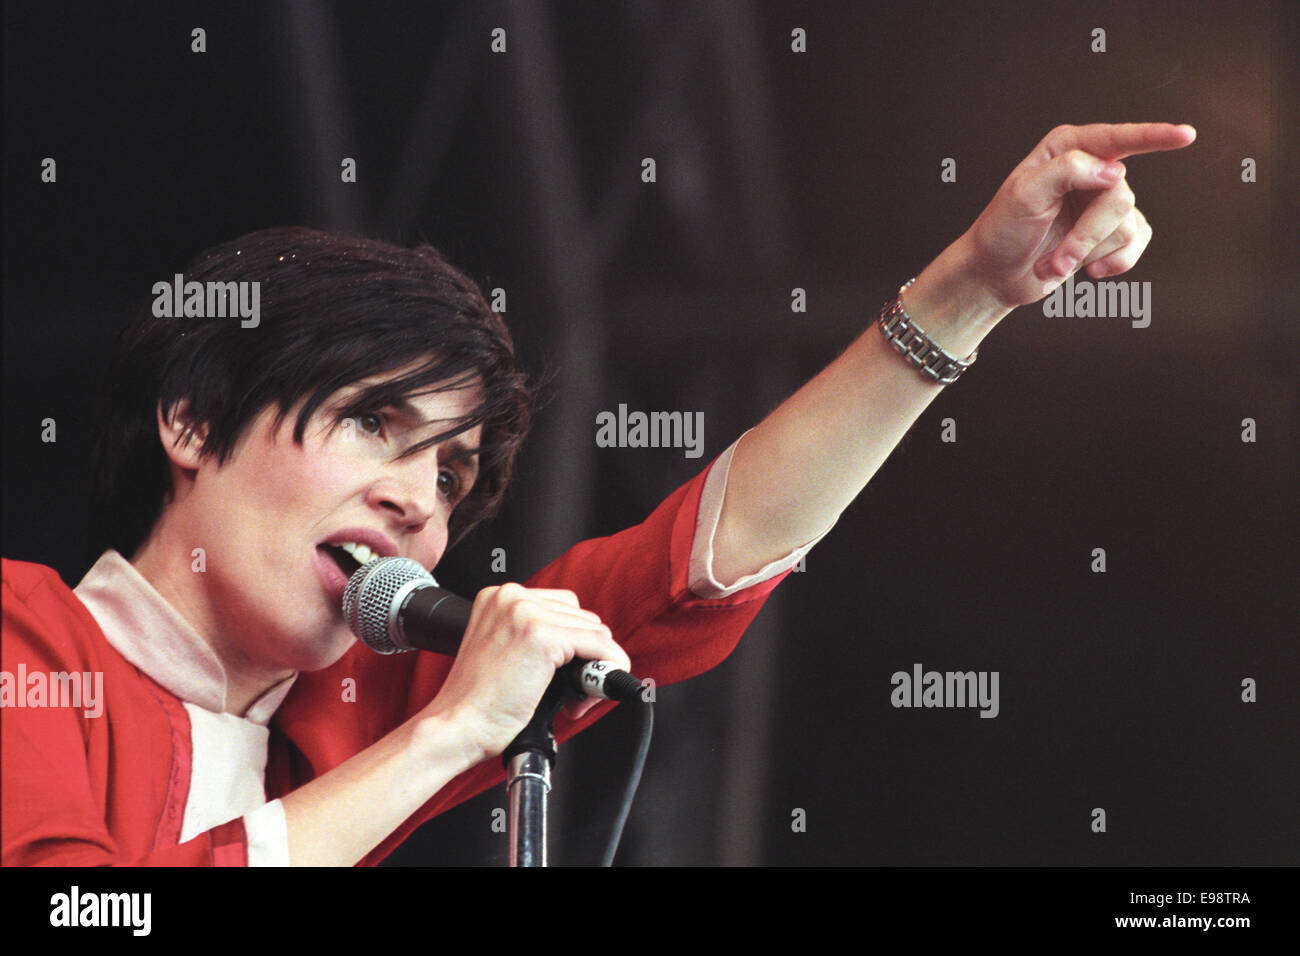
{"x": 528, "y": 762}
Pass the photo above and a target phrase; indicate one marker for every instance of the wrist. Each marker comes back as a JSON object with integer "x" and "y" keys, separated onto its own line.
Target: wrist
{"x": 947, "y": 300}
{"x": 445, "y": 738}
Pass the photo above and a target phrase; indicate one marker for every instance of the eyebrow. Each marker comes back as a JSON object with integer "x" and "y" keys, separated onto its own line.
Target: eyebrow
{"x": 458, "y": 449}
{"x": 461, "y": 451}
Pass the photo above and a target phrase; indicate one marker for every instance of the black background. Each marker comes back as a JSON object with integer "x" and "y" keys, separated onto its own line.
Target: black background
{"x": 776, "y": 170}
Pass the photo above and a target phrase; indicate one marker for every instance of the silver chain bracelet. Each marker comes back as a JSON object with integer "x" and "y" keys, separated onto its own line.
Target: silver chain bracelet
{"x": 917, "y": 347}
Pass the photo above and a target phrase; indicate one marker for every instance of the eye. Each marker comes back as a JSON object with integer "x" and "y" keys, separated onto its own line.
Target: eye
{"x": 449, "y": 484}
{"x": 370, "y": 423}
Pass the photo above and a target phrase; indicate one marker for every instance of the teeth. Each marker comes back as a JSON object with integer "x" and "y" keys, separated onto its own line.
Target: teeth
{"x": 361, "y": 552}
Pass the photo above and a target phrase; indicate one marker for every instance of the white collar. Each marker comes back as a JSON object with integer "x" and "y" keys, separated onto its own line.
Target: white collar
{"x": 151, "y": 634}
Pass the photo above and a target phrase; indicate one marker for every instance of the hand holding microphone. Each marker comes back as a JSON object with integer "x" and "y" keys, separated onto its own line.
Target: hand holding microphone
{"x": 515, "y": 639}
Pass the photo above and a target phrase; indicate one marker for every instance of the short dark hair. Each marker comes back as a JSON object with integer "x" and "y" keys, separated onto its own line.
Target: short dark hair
{"x": 334, "y": 309}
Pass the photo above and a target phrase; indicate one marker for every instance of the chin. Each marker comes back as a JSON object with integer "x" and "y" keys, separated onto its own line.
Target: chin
{"x": 317, "y": 653}
{"x": 329, "y": 654}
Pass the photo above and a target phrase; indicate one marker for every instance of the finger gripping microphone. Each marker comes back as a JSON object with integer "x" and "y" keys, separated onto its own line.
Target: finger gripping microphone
{"x": 394, "y": 605}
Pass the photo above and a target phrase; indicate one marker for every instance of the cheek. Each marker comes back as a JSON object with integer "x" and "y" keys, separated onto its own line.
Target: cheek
{"x": 312, "y": 477}
{"x": 278, "y": 492}
{"x": 309, "y": 477}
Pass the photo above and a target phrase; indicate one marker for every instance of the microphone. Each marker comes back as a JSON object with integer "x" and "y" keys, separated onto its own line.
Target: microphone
{"x": 394, "y": 605}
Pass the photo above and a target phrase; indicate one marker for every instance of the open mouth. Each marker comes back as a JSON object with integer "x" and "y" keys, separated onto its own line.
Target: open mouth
{"x": 344, "y": 557}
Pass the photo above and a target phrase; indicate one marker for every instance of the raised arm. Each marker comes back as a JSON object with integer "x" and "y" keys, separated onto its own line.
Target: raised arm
{"x": 1066, "y": 206}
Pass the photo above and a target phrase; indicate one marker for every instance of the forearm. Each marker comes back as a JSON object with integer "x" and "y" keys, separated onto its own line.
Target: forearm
{"x": 344, "y": 814}
{"x": 794, "y": 473}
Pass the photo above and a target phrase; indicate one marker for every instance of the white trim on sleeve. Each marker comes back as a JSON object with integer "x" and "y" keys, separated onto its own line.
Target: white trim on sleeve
{"x": 268, "y": 835}
{"x": 700, "y": 575}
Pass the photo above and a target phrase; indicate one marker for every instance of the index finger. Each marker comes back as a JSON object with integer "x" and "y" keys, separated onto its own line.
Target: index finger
{"x": 548, "y": 594}
{"x": 1117, "y": 140}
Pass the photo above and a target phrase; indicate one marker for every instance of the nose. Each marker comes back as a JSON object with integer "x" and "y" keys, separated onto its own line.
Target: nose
{"x": 408, "y": 497}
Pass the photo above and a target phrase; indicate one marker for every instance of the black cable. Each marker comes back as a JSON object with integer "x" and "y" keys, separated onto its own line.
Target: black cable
{"x": 647, "y": 713}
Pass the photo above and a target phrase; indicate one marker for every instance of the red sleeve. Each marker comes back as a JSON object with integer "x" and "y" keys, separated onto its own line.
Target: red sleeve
{"x": 93, "y": 789}
{"x": 635, "y": 580}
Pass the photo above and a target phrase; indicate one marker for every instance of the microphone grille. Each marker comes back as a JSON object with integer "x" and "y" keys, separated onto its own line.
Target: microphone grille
{"x": 368, "y": 599}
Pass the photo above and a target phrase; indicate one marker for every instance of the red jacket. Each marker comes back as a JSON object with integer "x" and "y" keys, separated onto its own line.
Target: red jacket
{"x": 111, "y": 789}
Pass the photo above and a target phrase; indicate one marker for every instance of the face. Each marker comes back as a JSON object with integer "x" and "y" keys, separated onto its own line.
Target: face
{"x": 272, "y": 517}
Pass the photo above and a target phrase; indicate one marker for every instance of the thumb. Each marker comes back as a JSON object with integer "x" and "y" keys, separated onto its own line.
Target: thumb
{"x": 1072, "y": 170}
